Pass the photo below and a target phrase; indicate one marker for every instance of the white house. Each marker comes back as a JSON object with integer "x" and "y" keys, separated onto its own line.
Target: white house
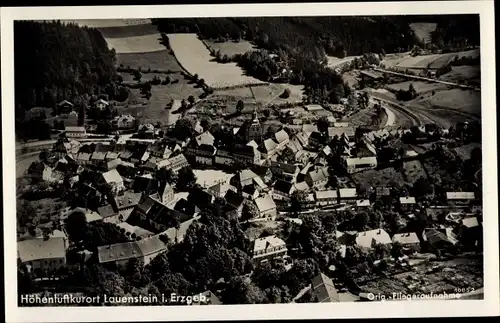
{"x": 368, "y": 239}
{"x": 268, "y": 248}
{"x": 75, "y": 132}
{"x": 266, "y": 207}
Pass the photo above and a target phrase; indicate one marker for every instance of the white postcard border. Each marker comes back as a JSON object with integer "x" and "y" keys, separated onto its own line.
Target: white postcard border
{"x": 489, "y": 306}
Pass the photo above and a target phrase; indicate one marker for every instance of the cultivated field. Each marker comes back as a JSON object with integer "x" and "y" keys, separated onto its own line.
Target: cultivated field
{"x": 423, "y": 30}
{"x": 335, "y": 61}
{"x": 434, "y": 61}
{"x": 193, "y": 56}
{"x": 264, "y": 94}
{"x": 104, "y": 23}
{"x": 420, "y": 87}
{"x": 231, "y": 48}
{"x": 128, "y": 31}
{"x": 461, "y": 100}
{"x": 459, "y": 73}
{"x": 136, "y": 44}
{"x": 160, "y": 60}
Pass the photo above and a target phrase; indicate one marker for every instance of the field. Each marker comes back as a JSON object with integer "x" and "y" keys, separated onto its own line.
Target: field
{"x": 420, "y": 87}
{"x": 423, "y": 30}
{"x": 128, "y": 30}
{"x": 335, "y": 61}
{"x": 104, "y": 23}
{"x": 231, "y": 48}
{"x": 154, "y": 111}
{"x": 159, "y": 60}
{"x": 434, "y": 61}
{"x": 264, "y": 94}
{"x": 193, "y": 56}
{"x": 456, "y": 99}
{"x": 136, "y": 44}
{"x": 369, "y": 117}
{"x": 413, "y": 170}
{"x": 459, "y": 73}
{"x": 379, "y": 177}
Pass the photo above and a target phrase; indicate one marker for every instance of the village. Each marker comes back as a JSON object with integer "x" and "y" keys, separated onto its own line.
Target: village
{"x": 255, "y": 191}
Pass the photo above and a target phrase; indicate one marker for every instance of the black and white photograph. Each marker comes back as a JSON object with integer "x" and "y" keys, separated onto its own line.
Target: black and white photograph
{"x": 175, "y": 160}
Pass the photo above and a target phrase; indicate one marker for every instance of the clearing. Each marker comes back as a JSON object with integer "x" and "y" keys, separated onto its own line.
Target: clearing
{"x": 379, "y": 177}
{"x": 161, "y": 95}
{"x": 161, "y": 61}
{"x": 334, "y": 62}
{"x": 231, "y": 48}
{"x": 423, "y": 30}
{"x": 264, "y": 94}
{"x": 413, "y": 170}
{"x": 136, "y": 44}
{"x": 195, "y": 58}
{"x": 128, "y": 31}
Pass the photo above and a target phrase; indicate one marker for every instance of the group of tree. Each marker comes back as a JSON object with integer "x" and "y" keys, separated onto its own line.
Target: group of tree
{"x": 407, "y": 95}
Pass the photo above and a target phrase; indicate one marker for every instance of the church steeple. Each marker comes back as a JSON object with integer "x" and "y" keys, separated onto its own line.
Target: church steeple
{"x": 255, "y": 119}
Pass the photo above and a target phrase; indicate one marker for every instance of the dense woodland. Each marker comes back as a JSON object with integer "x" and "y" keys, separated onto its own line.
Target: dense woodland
{"x": 56, "y": 61}
{"x": 456, "y": 31}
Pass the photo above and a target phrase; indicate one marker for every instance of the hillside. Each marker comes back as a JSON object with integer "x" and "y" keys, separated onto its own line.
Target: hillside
{"x": 336, "y": 35}
{"x": 57, "y": 61}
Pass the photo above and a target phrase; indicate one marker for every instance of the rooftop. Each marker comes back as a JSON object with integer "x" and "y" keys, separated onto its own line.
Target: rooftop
{"x": 267, "y": 242}
{"x": 367, "y": 238}
{"x": 35, "y": 249}
{"x": 265, "y": 203}
{"x": 406, "y": 238}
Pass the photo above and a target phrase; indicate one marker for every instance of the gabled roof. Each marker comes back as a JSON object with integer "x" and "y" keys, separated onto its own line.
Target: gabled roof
{"x": 320, "y": 195}
{"x": 470, "y": 222}
{"x": 319, "y": 174}
{"x": 283, "y": 186}
{"x": 281, "y": 136}
{"x": 128, "y": 199}
{"x": 205, "y": 138}
{"x": 35, "y": 249}
{"x": 407, "y": 200}
{"x": 112, "y": 176}
{"x": 367, "y": 238}
{"x": 200, "y": 198}
{"x": 267, "y": 242}
{"x": 347, "y": 193}
{"x": 323, "y": 289}
{"x": 268, "y": 145}
{"x": 106, "y": 211}
{"x": 146, "y": 185}
{"x": 287, "y": 168}
{"x": 406, "y": 238}
{"x": 436, "y": 236}
{"x": 460, "y": 195}
{"x": 265, "y": 203}
{"x": 364, "y": 202}
{"x": 339, "y": 131}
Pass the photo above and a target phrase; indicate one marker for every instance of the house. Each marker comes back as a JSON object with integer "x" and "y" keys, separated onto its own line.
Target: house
{"x": 363, "y": 203}
{"x": 177, "y": 162}
{"x": 148, "y": 186}
{"x": 287, "y": 172}
{"x": 381, "y": 192}
{"x": 368, "y": 239}
{"x": 282, "y": 190}
{"x": 235, "y": 201}
{"x": 301, "y": 187}
{"x": 323, "y": 290}
{"x": 313, "y": 107}
{"x": 159, "y": 150}
{"x": 460, "y": 197}
{"x": 316, "y": 139}
{"x": 106, "y": 212}
{"x": 266, "y": 207}
{"x": 166, "y": 193}
{"x": 250, "y": 192}
{"x": 42, "y": 256}
{"x": 114, "y": 179}
{"x": 224, "y": 156}
{"x": 348, "y": 132}
{"x": 407, "y": 203}
{"x": 38, "y": 170}
{"x": 340, "y": 124}
{"x": 112, "y": 164}
{"x": 205, "y": 154}
{"x": 281, "y": 137}
{"x": 75, "y": 132}
{"x": 263, "y": 172}
{"x": 201, "y": 198}
{"x": 119, "y": 254}
{"x": 268, "y": 148}
{"x": 356, "y": 164}
{"x": 407, "y": 240}
{"x": 247, "y": 177}
{"x": 440, "y": 238}
{"x": 146, "y": 128}
{"x": 186, "y": 207}
{"x": 101, "y": 104}
{"x": 125, "y": 204}
{"x": 126, "y": 121}
{"x": 65, "y": 107}
{"x": 176, "y": 235}
{"x": 268, "y": 248}
{"x": 65, "y": 147}
{"x": 219, "y": 189}
{"x": 324, "y": 198}
{"x": 318, "y": 178}
{"x": 98, "y": 158}
{"x": 471, "y": 231}
{"x": 347, "y": 195}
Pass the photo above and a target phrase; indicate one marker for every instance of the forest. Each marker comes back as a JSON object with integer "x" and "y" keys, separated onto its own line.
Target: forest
{"x": 56, "y": 61}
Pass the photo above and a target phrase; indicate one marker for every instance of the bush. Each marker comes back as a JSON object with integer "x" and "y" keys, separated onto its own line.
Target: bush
{"x": 285, "y": 94}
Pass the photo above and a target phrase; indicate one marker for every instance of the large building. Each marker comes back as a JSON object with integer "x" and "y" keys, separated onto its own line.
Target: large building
{"x": 252, "y": 129}
{"x": 268, "y": 248}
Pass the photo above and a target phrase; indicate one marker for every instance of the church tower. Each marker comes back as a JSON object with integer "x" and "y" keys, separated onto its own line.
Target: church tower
{"x": 254, "y": 129}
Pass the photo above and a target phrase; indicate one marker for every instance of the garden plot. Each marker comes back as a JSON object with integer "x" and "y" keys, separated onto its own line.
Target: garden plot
{"x": 195, "y": 58}
{"x": 231, "y": 48}
{"x": 136, "y": 44}
{"x": 379, "y": 177}
{"x": 423, "y": 30}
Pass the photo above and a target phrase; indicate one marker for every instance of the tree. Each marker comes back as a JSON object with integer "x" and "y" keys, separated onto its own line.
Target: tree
{"x": 286, "y": 94}
{"x": 76, "y": 225}
{"x": 81, "y": 115}
{"x": 242, "y": 291}
{"x": 297, "y": 200}
{"x": 44, "y": 155}
{"x": 191, "y": 99}
{"x": 137, "y": 75}
{"x": 323, "y": 124}
{"x": 240, "y": 106}
{"x": 186, "y": 179}
{"x": 396, "y": 250}
{"x": 249, "y": 211}
{"x": 360, "y": 221}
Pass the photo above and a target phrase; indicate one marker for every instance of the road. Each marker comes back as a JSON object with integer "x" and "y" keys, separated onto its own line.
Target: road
{"x": 427, "y": 79}
{"x": 416, "y": 120}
